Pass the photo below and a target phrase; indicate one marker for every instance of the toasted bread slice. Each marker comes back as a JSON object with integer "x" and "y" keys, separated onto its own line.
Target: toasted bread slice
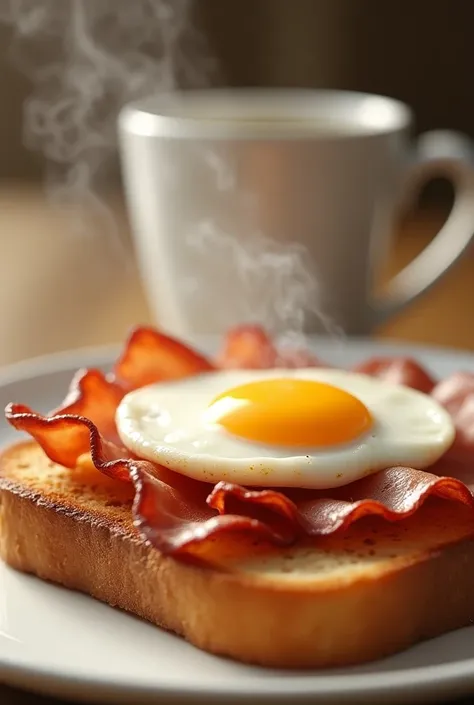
{"x": 373, "y": 590}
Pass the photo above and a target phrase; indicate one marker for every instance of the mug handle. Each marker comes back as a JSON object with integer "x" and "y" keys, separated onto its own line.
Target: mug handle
{"x": 438, "y": 153}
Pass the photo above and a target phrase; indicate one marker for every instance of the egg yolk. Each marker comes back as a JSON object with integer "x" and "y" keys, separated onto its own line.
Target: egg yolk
{"x": 290, "y": 412}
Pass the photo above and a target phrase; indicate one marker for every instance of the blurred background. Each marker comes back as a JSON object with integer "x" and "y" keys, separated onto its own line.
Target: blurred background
{"x": 64, "y": 286}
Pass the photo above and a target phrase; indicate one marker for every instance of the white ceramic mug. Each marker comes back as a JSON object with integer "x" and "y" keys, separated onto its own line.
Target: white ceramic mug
{"x": 241, "y": 201}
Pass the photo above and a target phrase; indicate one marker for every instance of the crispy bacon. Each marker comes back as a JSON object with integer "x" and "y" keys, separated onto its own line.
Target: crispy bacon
{"x": 170, "y": 510}
{"x": 174, "y": 521}
{"x": 65, "y": 438}
{"x": 249, "y": 347}
{"x": 86, "y": 387}
{"x": 176, "y": 513}
{"x": 150, "y": 356}
{"x": 297, "y": 357}
{"x": 394, "y": 493}
{"x": 453, "y": 391}
{"x": 456, "y": 394}
{"x": 398, "y": 370}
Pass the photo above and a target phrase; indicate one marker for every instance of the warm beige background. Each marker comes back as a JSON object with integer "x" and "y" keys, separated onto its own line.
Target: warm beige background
{"x": 419, "y": 52}
{"x": 60, "y": 290}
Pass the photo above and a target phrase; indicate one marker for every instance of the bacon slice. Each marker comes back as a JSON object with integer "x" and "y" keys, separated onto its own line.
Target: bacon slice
{"x": 87, "y": 387}
{"x": 170, "y": 510}
{"x": 249, "y": 347}
{"x": 453, "y": 391}
{"x": 176, "y": 513}
{"x": 65, "y": 438}
{"x": 150, "y": 356}
{"x": 297, "y": 357}
{"x": 456, "y": 394}
{"x": 175, "y": 521}
{"x": 398, "y": 370}
{"x": 394, "y": 493}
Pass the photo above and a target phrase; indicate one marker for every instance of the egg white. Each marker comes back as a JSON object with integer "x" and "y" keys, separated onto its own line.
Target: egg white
{"x": 166, "y": 423}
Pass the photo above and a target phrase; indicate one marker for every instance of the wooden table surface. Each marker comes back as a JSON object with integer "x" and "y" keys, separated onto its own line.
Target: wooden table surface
{"x": 63, "y": 288}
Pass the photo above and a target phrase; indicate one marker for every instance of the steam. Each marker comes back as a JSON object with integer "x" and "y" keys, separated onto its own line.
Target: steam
{"x": 87, "y": 59}
{"x": 272, "y": 283}
{"x": 276, "y": 286}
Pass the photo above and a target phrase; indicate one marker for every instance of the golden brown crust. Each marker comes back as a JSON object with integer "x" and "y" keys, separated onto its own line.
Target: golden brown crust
{"x": 337, "y": 601}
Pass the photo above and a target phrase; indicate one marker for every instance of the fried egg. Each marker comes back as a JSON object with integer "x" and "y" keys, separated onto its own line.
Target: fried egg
{"x": 308, "y": 428}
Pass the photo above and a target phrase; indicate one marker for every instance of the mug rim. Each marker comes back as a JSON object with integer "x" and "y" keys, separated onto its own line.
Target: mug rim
{"x": 317, "y": 114}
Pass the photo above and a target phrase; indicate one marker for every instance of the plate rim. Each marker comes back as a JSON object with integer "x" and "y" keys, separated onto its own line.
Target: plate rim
{"x": 82, "y": 687}
{"x": 427, "y": 681}
{"x": 106, "y": 353}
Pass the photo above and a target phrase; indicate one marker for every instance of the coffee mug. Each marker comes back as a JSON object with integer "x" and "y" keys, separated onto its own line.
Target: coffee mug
{"x": 276, "y": 206}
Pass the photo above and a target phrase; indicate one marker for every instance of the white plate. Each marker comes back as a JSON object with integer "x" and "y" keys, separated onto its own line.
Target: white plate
{"x": 67, "y": 644}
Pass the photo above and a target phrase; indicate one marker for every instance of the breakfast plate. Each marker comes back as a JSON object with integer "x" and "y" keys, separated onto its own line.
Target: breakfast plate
{"x": 66, "y": 644}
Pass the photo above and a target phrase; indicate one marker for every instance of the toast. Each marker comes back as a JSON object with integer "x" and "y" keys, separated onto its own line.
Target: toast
{"x": 356, "y": 596}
